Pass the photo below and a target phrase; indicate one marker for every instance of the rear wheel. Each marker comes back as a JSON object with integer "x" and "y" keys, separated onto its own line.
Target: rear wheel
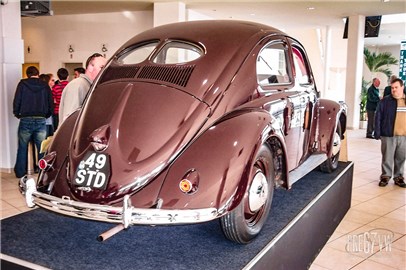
{"x": 246, "y": 221}
{"x": 331, "y": 163}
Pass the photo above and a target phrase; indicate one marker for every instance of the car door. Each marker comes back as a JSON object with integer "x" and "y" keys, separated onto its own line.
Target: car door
{"x": 306, "y": 94}
{"x": 274, "y": 73}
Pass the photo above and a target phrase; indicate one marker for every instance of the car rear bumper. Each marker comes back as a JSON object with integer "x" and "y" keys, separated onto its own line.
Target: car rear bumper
{"x": 126, "y": 215}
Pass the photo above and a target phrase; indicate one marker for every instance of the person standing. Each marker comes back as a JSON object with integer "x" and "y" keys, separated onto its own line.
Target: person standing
{"x": 57, "y": 90}
{"x": 50, "y": 80}
{"x": 75, "y": 92}
{"x": 372, "y": 103}
{"x": 390, "y": 126}
{"x": 32, "y": 104}
{"x": 77, "y": 71}
{"x": 387, "y": 90}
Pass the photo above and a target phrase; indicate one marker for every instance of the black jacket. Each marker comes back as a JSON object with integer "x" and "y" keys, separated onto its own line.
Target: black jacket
{"x": 33, "y": 98}
{"x": 385, "y": 117}
{"x": 372, "y": 98}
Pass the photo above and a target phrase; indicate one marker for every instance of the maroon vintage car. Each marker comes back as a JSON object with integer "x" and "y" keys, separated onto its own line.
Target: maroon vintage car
{"x": 190, "y": 122}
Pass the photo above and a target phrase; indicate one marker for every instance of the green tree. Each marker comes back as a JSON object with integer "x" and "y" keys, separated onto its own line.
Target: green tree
{"x": 379, "y": 62}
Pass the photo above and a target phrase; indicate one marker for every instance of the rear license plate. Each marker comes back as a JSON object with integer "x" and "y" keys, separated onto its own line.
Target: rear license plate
{"x": 93, "y": 171}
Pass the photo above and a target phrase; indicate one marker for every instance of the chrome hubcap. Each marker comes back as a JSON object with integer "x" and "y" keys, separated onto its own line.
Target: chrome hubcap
{"x": 336, "y": 144}
{"x": 258, "y": 192}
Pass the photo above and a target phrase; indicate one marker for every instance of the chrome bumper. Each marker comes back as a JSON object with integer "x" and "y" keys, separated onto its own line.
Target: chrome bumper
{"x": 126, "y": 215}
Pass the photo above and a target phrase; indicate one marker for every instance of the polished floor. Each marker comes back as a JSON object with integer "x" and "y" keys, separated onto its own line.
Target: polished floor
{"x": 371, "y": 236}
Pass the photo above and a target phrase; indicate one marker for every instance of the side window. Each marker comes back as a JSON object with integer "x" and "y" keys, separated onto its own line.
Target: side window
{"x": 302, "y": 74}
{"x": 272, "y": 65}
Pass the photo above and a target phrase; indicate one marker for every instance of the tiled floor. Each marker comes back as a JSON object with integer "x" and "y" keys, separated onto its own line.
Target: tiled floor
{"x": 371, "y": 236}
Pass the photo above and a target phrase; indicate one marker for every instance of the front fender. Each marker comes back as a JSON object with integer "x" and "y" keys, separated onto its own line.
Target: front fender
{"x": 219, "y": 161}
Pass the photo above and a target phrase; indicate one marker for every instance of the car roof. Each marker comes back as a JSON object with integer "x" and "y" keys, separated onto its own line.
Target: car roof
{"x": 226, "y": 45}
{"x": 206, "y": 32}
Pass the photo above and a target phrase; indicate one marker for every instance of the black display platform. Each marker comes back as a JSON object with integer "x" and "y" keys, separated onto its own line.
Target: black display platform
{"x": 301, "y": 221}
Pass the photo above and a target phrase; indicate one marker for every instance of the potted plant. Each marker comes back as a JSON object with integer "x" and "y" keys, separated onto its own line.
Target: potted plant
{"x": 379, "y": 62}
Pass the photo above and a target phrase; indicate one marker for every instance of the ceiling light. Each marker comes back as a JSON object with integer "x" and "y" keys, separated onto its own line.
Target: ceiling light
{"x": 311, "y": 8}
{"x": 385, "y": 1}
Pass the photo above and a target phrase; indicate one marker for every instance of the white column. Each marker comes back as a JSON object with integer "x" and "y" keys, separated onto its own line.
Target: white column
{"x": 169, "y": 12}
{"x": 11, "y": 59}
{"x": 327, "y": 61}
{"x": 355, "y": 60}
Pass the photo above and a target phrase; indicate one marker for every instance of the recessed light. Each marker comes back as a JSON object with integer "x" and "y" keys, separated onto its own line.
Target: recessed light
{"x": 311, "y": 8}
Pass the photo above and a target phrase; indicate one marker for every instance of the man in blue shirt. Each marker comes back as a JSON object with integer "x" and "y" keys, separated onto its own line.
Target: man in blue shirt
{"x": 32, "y": 104}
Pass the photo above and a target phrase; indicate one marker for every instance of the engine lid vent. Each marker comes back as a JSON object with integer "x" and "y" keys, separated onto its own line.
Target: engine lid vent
{"x": 178, "y": 75}
{"x": 119, "y": 72}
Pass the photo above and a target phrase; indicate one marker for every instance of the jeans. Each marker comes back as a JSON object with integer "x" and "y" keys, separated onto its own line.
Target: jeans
{"x": 29, "y": 129}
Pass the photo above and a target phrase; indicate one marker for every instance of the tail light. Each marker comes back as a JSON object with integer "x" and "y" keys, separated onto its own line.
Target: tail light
{"x": 46, "y": 162}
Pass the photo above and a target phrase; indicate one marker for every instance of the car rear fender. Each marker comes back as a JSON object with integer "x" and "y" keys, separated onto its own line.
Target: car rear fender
{"x": 330, "y": 114}
{"x": 217, "y": 163}
{"x": 60, "y": 145}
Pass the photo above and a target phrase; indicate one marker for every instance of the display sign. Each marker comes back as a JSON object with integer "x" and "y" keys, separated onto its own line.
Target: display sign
{"x": 402, "y": 61}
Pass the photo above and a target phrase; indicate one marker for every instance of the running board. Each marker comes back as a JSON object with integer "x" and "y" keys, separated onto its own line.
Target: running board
{"x": 311, "y": 162}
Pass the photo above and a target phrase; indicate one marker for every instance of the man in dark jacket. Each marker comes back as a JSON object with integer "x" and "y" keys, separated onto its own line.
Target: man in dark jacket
{"x": 32, "y": 104}
{"x": 390, "y": 127}
{"x": 372, "y": 103}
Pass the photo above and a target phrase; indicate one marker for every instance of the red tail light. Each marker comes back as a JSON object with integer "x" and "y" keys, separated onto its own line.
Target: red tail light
{"x": 46, "y": 162}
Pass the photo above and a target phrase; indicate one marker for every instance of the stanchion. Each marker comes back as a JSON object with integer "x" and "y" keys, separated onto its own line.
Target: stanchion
{"x": 344, "y": 149}
{"x": 32, "y": 156}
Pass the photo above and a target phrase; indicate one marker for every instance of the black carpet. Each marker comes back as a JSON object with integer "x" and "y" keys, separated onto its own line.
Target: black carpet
{"x": 60, "y": 242}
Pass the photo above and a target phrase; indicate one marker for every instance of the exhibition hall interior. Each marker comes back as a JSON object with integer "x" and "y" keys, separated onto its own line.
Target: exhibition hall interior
{"x": 210, "y": 135}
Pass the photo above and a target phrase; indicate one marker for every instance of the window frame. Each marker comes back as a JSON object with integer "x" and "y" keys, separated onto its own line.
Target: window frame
{"x": 199, "y": 49}
{"x": 285, "y": 47}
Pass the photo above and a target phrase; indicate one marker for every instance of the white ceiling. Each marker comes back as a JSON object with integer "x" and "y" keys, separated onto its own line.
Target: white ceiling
{"x": 278, "y": 13}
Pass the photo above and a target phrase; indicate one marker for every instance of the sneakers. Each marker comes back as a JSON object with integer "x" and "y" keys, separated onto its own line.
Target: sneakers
{"x": 384, "y": 181}
{"x": 399, "y": 181}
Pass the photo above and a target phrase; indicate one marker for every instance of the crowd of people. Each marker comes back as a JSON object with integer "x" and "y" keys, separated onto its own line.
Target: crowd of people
{"x": 387, "y": 122}
{"x": 41, "y": 104}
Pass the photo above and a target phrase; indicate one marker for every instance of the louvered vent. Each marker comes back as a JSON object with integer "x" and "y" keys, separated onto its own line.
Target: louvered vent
{"x": 173, "y": 74}
{"x": 115, "y": 73}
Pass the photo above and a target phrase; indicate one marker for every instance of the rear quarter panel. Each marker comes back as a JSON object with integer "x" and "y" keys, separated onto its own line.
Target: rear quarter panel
{"x": 222, "y": 156}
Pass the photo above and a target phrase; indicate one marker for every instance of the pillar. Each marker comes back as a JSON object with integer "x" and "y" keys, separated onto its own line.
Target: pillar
{"x": 355, "y": 60}
{"x": 11, "y": 59}
{"x": 169, "y": 12}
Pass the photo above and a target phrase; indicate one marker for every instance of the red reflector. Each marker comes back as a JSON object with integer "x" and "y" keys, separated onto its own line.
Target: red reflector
{"x": 42, "y": 164}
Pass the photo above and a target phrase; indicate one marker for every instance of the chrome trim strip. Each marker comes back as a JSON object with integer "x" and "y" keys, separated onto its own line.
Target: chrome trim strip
{"x": 126, "y": 214}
